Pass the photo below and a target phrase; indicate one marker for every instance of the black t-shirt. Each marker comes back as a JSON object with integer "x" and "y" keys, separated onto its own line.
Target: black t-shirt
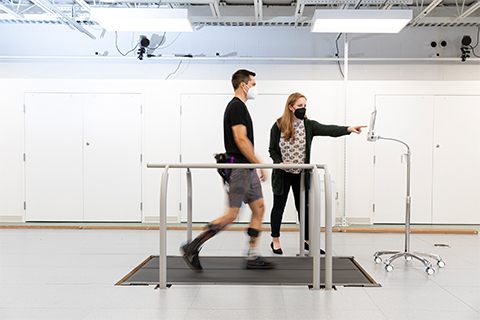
{"x": 236, "y": 113}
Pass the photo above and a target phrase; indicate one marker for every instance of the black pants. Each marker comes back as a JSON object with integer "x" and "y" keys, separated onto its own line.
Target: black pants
{"x": 279, "y": 202}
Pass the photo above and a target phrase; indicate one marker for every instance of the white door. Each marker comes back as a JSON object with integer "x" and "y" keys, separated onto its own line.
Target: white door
{"x": 54, "y": 157}
{"x": 456, "y": 168}
{"x": 112, "y": 157}
{"x": 409, "y": 119}
{"x": 83, "y": 157}
{"x": 202, "y": 136}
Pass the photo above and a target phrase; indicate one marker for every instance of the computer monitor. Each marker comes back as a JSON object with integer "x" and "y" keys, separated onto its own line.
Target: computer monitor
{"x": 371, "y": 130}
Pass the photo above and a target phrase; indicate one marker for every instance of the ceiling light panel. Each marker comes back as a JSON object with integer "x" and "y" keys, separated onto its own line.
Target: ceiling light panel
{"x": 360, "y": 21}
{"x": 142, "y": 19}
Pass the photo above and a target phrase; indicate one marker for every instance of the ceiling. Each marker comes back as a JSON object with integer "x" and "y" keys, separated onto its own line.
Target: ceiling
{"x": 75, "y": 14}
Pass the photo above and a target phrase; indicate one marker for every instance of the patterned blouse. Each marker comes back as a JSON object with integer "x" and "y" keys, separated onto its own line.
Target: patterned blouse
{"x": 294, "y": 150}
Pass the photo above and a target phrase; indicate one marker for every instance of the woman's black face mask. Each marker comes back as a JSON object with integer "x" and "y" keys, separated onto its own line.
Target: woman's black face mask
{"x": 300, "y": 113}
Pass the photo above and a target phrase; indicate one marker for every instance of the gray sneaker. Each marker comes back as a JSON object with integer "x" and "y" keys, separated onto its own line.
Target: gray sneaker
{"x": 260, "y": 263}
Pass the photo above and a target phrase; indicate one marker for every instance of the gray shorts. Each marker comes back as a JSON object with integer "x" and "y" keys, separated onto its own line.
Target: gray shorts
{"x": 244, "y": 186}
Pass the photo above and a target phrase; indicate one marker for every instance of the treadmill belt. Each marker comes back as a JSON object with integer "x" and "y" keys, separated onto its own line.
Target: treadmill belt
{"x": 231, "y": 271}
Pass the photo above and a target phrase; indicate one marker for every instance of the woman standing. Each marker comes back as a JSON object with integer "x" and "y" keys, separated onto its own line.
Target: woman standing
{"x": 290, "y": 142}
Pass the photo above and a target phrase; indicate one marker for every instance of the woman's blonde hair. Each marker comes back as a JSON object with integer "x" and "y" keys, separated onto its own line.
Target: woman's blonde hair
{"x": 284, "y": 123}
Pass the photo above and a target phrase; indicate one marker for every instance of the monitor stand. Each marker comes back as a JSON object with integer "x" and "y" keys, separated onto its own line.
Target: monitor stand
{"x": 406, "y": 253}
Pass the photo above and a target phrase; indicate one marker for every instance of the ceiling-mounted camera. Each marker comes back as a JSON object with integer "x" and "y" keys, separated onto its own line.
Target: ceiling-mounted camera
{"x": 465, "y": 48}
{"x": 143, "y": 43}
{"x": 466, "y": 41}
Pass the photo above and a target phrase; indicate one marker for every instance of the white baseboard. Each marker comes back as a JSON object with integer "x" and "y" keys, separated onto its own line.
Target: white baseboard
{"x": 11, "y": 219}
{"x": 338, "y": 220}
{"x": 360, "y": 220}
{"x": 156, "y": 219}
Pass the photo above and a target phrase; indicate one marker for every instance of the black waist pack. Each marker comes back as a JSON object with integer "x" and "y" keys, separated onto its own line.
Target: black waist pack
{"x": 224, "y": 173}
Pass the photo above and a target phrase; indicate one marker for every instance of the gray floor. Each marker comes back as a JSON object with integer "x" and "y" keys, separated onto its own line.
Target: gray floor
{"x": 70, "y": 274}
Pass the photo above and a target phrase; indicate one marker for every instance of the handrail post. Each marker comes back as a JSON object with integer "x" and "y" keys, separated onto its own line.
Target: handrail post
{"x": 328, "y": 231}
{"x": 163, "y": 230}
{"x": 311, "y": 198}
{"x": 189, "y": 205}
{"x": 302, "y": 219}
{"x": 315, "y": 246}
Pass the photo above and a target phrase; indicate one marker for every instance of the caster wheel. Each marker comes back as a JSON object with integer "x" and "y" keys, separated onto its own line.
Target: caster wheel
{"x": 441, "y": 264}
{"x": 389, "y": 268}
{"x": 430, "y": 271}
{"x": 377, "y": 260}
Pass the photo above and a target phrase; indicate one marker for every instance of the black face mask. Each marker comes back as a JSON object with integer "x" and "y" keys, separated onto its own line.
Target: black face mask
{"x": 300, "y": 113}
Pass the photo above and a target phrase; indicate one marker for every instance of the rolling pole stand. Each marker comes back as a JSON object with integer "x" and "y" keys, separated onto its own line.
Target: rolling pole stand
{"x": 406, "y": 253}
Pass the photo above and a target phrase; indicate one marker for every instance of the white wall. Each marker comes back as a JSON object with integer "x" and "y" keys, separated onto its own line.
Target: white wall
{"x": 73, "y": 54}
{"x": 59, "y": 40}
{"x": 161, "y": 129}
{"x": 360, "y": 156}
{"x": 72, "y": 66}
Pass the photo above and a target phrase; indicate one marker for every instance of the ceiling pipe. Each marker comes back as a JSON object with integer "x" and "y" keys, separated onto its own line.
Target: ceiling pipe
{"x": 425, "y": 12}
{"x": 471, "y": 9}
{"x": 214, "y": 7}
{"x": 299, "y": 12}
{"x": 260, "y": 10}
{"x": 10, "y": 11}
{"x": 63, "y": 17}
{"x": 84, "y": 5}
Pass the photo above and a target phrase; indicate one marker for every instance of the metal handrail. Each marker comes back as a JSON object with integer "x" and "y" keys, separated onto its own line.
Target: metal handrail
{"x": 316, "y": 209}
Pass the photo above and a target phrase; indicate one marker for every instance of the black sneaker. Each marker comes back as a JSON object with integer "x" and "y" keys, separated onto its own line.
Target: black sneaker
{"x": 307, "y": 247}
{"x": 191, "y": 257}
{"x": 260, "y": 263}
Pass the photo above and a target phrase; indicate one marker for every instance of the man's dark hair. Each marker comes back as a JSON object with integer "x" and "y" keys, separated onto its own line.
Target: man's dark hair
{"x": 240, "y": 76}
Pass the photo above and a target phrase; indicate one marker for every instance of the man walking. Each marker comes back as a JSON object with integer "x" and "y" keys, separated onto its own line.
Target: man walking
{"x": 244, "y": 185}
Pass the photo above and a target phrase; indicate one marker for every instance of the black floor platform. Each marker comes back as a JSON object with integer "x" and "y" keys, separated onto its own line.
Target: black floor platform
{"x": 231, "y": 270}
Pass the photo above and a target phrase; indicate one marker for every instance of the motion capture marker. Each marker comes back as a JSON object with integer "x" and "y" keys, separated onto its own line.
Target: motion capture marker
{"x": 441, "y": 245}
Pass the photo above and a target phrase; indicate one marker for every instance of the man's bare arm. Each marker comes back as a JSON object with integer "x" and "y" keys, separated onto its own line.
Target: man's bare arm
{"x": 246, "y": 146}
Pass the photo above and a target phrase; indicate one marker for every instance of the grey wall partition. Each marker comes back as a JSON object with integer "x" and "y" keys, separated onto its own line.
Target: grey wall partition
{"x": 314, "y": 212}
